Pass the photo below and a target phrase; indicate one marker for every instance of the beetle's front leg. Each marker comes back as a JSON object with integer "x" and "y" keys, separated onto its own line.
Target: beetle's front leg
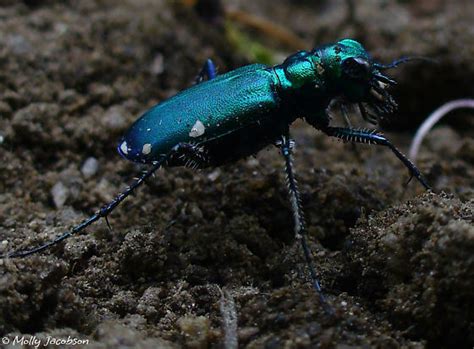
{"x": 286, "y": 145}
{"x": 373, "y": 137}
{"x": 208, "y": 71}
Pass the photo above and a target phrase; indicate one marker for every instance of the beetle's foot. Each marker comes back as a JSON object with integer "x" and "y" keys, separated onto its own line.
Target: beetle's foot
{"x": 283, "y": 143}
{"x": 374, "y": 137}
{"x": 108, "y": 223}
{"x": 208, "y": 71}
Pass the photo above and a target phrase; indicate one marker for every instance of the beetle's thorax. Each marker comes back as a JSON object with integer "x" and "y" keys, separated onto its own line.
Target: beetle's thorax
{"x": 300, "y": 71}
{"x": 300, "y": 84}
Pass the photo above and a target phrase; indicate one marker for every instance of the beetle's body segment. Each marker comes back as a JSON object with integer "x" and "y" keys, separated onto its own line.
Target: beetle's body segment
{"x": 204, "y": 114}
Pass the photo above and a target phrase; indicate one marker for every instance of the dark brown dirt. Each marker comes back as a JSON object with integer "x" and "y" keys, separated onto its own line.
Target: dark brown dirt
{"x": 193, "y": 250}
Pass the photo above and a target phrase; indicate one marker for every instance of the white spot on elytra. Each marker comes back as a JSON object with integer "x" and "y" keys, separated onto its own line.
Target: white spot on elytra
{"x": 124, "y": 148}
{"x": 146, "y": 149}
{"x": 197, "y": 130}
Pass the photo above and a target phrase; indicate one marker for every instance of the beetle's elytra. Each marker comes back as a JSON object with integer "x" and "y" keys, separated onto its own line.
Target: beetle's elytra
{"x": 234, "y": 115}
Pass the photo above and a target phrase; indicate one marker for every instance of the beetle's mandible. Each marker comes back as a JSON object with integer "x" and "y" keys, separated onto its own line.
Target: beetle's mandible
{"x": 234, "y": 115}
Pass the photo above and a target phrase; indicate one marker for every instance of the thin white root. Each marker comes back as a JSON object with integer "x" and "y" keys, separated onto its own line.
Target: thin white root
{"x": 431, "y": 120}
{"x": 229, "y": 320}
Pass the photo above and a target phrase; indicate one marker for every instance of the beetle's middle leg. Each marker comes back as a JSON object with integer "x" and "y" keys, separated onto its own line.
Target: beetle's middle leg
{"x": 373, "y": 137}
{"x": 208, "y": 71}
{"x": 286, "y": 145}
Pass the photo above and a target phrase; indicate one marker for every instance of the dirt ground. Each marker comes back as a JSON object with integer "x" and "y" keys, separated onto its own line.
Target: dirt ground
{"x": 207, "y": 259}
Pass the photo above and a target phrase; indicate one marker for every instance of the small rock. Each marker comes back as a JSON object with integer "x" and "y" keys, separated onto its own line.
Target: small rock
{"x": 18, "y": 44}
{"x": 114, "y": 118}
{"x": 13, "y": 99}
{"x": 3, "y": 245}
{"x": 196, "y": 211}
{"x": 253, "y": 162}
{"x": 60, "y": 194}
{"x": 195, "y": 331}
{"x": 90, "y": 167}
{"x": 214, "y": 175}
{"x": 157, "y": 67}
{"x": 67, "y": 96}
{"x": 61, "y": 28}
{"x": 246, "y": 333}
{"x": 150, "y": 303}
{"x": 101, "y": 93}
{"x": 5, "y": 109}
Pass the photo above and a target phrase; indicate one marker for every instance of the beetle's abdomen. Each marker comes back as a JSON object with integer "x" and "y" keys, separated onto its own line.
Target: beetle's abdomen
{"x": 202, "y": 113}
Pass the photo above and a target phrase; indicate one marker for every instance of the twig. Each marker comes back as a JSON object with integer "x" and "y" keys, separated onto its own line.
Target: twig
{"x": 267, "y": 27}
{"x": 431, "y": 120}
{"x": 229, "y": 320}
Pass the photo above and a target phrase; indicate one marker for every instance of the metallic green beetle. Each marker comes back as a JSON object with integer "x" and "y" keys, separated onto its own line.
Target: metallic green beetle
{"x": 233, "y": 115}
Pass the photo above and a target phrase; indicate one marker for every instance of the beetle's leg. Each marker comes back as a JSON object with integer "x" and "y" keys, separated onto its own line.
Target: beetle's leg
{"x": 189, "y": 155}
{"x": 101, "y": 213}
{"x": 345, "y": 115}
{"x": 183, "y": 154}
{"x": 373, "y": 137}
{"x": 286, "y": 145}
{"x": 208, "y": 71}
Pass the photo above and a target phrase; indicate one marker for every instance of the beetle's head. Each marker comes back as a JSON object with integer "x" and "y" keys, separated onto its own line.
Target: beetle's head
{"x": 351, "y": 73}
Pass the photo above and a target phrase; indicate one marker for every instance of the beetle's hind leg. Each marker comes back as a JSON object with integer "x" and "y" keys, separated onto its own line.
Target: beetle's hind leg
{"x": 189, "y": 155}
{"x": 208, "y": 71}
{"x": 373, "y": 137}
{"x": 182, "y": 154}
{"x": 286, "y": 145}
{"x": 103, "y": 212}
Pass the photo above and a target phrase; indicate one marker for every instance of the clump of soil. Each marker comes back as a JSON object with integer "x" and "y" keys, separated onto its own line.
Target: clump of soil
{"x": 415, "y": 261}
{"x": 207, "y": 258}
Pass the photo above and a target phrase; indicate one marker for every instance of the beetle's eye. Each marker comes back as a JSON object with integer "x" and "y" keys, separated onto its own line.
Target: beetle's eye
{"x": 355, "y": 67}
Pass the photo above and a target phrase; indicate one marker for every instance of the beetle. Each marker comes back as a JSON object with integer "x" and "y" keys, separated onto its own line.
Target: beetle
{"x": 230, "y": 116}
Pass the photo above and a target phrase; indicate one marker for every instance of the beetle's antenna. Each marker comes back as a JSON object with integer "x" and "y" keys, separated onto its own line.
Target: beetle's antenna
{"x": 102, "y": 213}
{"x": 402, "y": 60}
